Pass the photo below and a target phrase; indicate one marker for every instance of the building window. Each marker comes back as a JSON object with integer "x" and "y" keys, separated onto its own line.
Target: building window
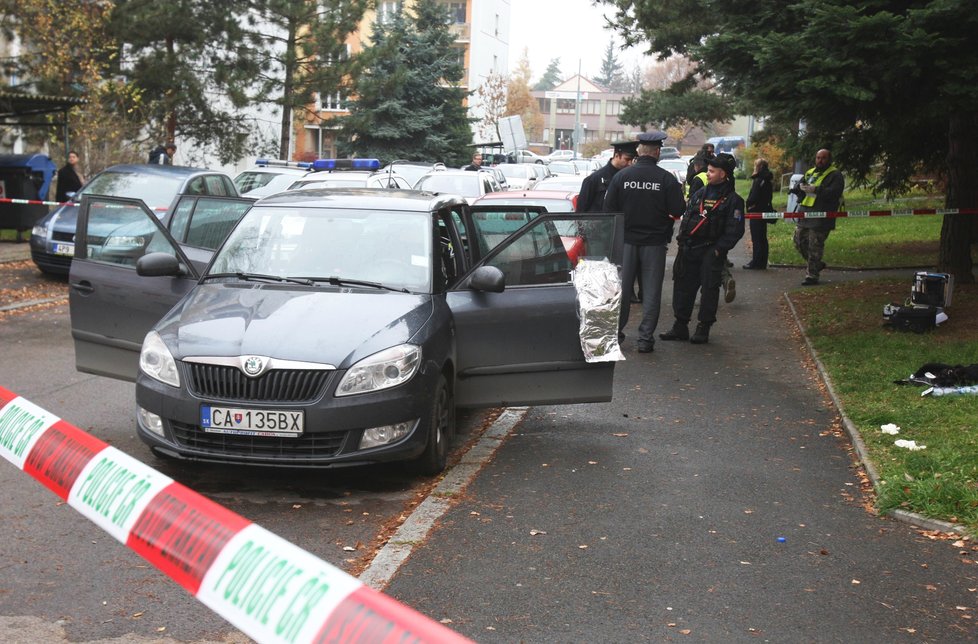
{"x": 591, "y": 107}
{"x": 456, "y": 12}
{"x": 544, "y": 105}
{"x": 496, "y": 32}
{"x": 332, "y": 102}
{"x": 614, "y": 108}
{"x": 387, "y": 9}
{"x": 565, "y": 106}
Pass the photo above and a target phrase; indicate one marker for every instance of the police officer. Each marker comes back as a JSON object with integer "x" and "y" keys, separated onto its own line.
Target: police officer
{"x": 651, "y": 200}
{"x": 820, "y": 191}
{"x": 712, "y": 224}
{"x": 595, "y": 185}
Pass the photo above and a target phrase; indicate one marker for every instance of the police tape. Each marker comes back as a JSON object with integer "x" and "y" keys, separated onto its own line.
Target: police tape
{"x": 861, "y": 213}
{"x": 269, "y": 588}
{"x": 37, "y": 202}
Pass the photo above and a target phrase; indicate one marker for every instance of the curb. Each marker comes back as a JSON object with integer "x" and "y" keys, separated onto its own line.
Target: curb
{"x": 911, "y": 518}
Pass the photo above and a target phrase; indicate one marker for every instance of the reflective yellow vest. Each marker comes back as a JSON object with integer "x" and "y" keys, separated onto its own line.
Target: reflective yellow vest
{"x": 814, "y": 178}
{"x": 701, "y": 176}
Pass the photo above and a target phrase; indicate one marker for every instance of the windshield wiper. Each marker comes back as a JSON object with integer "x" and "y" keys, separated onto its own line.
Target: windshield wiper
{"x": 343, "y": 281}
{"x": 259, "y": 277}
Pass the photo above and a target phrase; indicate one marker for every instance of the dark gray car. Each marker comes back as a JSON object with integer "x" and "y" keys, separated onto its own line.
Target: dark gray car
{"x": 335, "y": 327}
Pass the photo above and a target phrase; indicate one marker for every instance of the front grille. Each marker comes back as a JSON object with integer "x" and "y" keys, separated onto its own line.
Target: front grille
{"x": 277, "y": 385}
{"x": 64, "y": 236}
{"x": 307, "y": 446}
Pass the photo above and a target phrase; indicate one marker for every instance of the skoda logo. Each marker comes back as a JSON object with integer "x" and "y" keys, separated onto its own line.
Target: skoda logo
{"x": 253, "y": 365}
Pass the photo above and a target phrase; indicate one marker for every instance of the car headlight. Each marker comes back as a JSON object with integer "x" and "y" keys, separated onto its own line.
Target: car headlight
{"x": 156, "y": 361}
{"x": 382, "y": 370}
{"x": 40, "y": 230}
{"x": 126, "y": 241}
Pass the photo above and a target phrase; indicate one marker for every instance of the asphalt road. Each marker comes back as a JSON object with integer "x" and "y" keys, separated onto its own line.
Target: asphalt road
{"x": 715, "y": 499}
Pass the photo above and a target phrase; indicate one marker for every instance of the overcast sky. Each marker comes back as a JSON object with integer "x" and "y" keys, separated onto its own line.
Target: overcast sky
{"x": 572, "y": 30}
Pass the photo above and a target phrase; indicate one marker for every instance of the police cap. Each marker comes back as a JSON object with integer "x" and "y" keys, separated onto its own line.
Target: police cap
{"x": 655, "y": 137}
{"x": 725, "y": 162}
{"x": 625, "y": 147}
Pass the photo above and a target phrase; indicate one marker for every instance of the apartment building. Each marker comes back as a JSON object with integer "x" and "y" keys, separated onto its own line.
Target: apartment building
{"x": 481, "y": 29}
{"x": 599, "y": 112}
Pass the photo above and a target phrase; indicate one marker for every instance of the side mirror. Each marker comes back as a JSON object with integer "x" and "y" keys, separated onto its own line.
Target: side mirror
{"x": 489, "y": 279}
{"x": 158, "y": 265}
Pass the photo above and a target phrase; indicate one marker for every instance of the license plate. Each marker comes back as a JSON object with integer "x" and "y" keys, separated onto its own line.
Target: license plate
{"x": 251, "y": 422}
{"x": 64, "y": 249}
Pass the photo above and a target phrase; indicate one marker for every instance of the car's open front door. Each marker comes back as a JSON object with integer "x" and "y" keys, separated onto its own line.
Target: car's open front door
{"x": 112, "y": 307}
{"x": 522, "y": 345}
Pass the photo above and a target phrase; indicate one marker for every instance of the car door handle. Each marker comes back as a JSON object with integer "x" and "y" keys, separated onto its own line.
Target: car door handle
{"x": 84, "y": 287}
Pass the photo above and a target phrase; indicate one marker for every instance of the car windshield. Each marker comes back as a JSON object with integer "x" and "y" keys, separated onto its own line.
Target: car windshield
{"x": 514, "y": 171}
{"x": 156, "y": 191}
{"x": 563, "y": 167}
{"x": 463, "y": 184}
{"x": 385, "y": 247}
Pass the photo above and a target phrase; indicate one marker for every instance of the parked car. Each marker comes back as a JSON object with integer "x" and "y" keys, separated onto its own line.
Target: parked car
{"x": 668, "y": 152}
{"x": 574, "y": 240}
{"x": 335, "y": 327}
{"x": 561, "y": 155}
{"x": 561, "y": 183}
{"x": 158, "y": 186}
{"x": 465, "y": 183}
{"x": 676, "y": 166}
{"x": 412, "y": 170}
{"x": 270, "y": 176}
{"x": 352, "y": 179}
{"x": 500, "y": 176}
{"x": 562, "y": 168}
{"x": 586, "y": 166}
{"x": 526, "y": 156}
{"x": 519, "y": 176}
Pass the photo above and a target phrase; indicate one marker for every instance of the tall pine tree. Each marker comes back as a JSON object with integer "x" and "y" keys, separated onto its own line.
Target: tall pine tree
{"x": 551, "y": 77}
{"x": 408, "y": 100}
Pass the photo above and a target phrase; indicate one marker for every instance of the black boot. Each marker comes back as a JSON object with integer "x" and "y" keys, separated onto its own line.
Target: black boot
{"x": 679, "y": 331}
{"x": 702, "y": 334}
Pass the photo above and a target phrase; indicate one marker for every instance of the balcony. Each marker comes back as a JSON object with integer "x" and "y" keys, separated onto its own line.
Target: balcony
{"x": 462, "y": 31}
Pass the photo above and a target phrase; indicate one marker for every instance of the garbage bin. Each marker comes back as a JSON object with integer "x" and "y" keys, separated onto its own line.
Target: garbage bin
{"x": 24, "y": 176}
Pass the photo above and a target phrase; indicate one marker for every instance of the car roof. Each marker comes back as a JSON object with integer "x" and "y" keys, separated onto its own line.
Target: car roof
{"x": 527, "y": 194}
{"x": 363, "y": 199}
{"x": 160, "y": 170}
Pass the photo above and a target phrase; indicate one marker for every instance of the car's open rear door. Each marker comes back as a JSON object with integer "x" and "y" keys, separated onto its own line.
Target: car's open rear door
{"x": 112, "y": 307}
{"x": 522, "y": 345}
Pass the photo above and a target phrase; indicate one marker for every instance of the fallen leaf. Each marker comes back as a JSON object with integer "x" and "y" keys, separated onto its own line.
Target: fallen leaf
{"x": 592, "y": 462}
{"x": 685, "y": 631}
{"x": 909, "y": 630}
{"x": 959, "y": 543}
{"x": 534, "y": 533}
{"x": 474, "y": 513}
{"x": 748, "y": 512}
{"x": 619, "y": 434}
{"x": 671, "y": 624}
{"x": 582, "y": 546}
{"x": 961, "y": 608}
{"x": 349, "y": 549}
{"x": 139, "y": 614}
{"x": 445, "y": 621}
{"x": 296, "y": 506}
{"x": 930, "y": 587}
{"x": 856, "y": 582}
{"x": 161, "y": 629}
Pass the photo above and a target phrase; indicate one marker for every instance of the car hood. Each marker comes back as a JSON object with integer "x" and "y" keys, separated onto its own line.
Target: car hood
{"x": 318, "y": 324}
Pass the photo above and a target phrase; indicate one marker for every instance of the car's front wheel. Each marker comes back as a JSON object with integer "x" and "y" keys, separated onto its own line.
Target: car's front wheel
{"x": 441, "y": 429}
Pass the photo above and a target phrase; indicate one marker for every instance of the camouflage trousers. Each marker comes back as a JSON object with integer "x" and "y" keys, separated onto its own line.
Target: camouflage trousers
{"x": 810, "y": 243}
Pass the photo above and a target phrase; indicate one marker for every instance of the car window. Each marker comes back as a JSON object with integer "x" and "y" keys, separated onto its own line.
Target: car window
{"x": 250, "y": 180}
{"x": 213, "y": 185}
{"x": 392, "y": 248}
{"x": 181, "y": 217}
{"x": 122, "y": 233}
{"x": 212, "y": 220}
{"x": 195, "y": 187}
{"x": 464, "y": 184}
{"x": 156, "y": 191}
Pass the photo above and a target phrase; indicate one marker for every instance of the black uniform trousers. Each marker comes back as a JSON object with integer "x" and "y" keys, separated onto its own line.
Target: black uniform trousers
{"x": 696, "y": 269}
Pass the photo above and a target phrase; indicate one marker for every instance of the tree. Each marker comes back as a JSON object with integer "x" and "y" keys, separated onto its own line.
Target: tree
{"x": 409, "y": 103}
{"x": 895, "y": 67}
{"x": 519, "y": 101}
{"x": 297, "y": 50}
{"x": 551, "y": 77}
{"x": 67, "y": 51}
{"x": 491, "y": 96}
{"x": 185, "y": 58}
{"x": 611, "y": 74}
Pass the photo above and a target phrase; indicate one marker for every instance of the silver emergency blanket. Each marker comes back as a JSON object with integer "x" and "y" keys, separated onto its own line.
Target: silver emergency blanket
{"x": 598, "y": 288}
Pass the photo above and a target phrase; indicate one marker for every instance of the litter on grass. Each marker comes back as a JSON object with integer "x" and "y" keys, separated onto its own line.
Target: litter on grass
{"x": 890, "y": 428}
{"x": 911, "y": 445}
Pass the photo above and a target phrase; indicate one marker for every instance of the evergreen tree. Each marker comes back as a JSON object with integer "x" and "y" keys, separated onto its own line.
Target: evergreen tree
{"x": 611, "y": 75}
{"x": 893, "y": 68}
{"x": 184, "y": 56}
{"x": 297, "y": 50}
{"x": 409, "y": 103}
{"x": 551, "y": 77}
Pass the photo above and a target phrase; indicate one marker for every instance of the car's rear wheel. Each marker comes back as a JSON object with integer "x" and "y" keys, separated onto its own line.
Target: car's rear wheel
{"x": 441, "y": 429}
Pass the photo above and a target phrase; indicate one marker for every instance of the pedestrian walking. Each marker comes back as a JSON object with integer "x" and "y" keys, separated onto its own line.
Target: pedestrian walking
{"x": 711, "y": 226}
{"x": 759, "y": 200}
{"x": 476, "y": 162}
{"x": 820, "y": 190}
{"x": 651, "y": 200}
{"x": 70, "y": 178}
{"x": 163, "y": 154}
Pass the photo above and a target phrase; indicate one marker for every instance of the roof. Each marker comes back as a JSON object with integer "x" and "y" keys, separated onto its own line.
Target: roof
{"x": 152, "y": 168}
{"x": 19, "y": 104}
{"x": 362, "y": 198}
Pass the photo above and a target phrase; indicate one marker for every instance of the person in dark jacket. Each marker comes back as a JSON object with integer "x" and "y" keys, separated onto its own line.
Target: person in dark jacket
{"x": 759, "y": 200}
{"x": 820, "y": 191}
{"x": 163, "y": 154}
{"x": 70, "y": 178}
{"x": 712, "y": 225}
{"x": 651, "y": 200}
{"x": 595, "y": 185}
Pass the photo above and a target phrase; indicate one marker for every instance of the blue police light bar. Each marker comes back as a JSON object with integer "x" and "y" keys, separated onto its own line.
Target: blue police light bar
{"x": 346, "y": 164}
{"x": 264, "y": 163}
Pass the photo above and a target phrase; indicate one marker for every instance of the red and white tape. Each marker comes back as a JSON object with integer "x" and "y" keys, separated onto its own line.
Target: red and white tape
{"x": 861, "y": 213}
{"x": 269, "y": 588}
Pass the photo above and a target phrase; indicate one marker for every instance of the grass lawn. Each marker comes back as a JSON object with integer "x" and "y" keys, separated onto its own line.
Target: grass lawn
{"x": 844, "y": 323}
